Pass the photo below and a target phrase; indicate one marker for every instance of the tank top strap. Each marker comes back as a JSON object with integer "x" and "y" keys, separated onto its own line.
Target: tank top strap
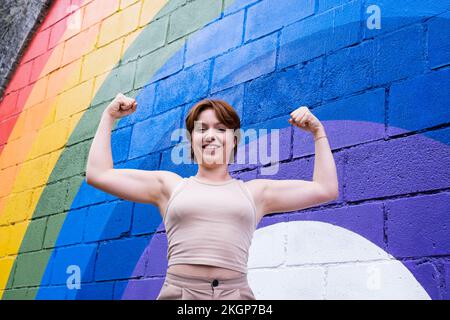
{"x": 175, "y": 191}
{"x": 248, "y": 194}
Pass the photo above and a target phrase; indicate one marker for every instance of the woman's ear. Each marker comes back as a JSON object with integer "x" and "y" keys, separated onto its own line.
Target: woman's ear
{"x": 191, "y": 150}
{"x": 232, "y": 156}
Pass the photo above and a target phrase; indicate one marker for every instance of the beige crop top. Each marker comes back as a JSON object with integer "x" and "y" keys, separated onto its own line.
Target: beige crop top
{"x": 210, "y": 223}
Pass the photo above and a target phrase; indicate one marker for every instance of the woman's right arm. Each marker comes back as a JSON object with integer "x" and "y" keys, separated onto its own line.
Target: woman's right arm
{"x": 130, "y": 184}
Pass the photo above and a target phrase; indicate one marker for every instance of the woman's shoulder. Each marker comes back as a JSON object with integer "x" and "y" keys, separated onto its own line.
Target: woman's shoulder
{"x": 170, "y": 177}
{"x": 256, "y": 186}
{"x": 170, "y": 180}
{"x": 256, "y": 183}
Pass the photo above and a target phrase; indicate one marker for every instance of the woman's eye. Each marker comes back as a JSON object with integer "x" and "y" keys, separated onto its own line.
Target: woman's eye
{"x": 203, "y": 129}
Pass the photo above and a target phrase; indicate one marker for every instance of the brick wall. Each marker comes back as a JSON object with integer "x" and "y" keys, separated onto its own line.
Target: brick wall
{"x": 381, "y": 94}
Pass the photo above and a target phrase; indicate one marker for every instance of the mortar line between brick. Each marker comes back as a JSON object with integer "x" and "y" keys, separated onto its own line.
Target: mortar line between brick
{"x": 387, "y": 93}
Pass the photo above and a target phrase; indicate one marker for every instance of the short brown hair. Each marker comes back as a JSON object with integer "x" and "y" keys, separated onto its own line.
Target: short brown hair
{"x": 224, "y": 112}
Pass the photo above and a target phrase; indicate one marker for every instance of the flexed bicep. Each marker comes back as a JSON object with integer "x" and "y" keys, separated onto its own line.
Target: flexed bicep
{"x": 141, "y": 186}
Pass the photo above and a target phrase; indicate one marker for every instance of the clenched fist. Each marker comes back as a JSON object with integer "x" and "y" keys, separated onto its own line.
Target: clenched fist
{"x": 121, "y": 106}
{"x": 304, "y": 119}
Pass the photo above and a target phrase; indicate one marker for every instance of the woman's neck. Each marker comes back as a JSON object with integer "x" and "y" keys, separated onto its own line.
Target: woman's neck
{"x": 213, "y": 174}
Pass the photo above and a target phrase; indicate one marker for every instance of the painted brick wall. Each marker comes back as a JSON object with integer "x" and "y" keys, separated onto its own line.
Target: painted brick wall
{"x": 381, "y": 93}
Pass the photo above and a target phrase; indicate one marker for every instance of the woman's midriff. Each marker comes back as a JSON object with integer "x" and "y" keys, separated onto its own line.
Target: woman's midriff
{"x": 204, "y": 270}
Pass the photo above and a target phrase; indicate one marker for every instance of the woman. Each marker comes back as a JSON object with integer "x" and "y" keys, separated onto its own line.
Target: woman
{"x": 210, "y": 217}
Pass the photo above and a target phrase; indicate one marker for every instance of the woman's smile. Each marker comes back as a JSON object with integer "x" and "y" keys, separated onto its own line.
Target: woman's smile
{"x": 211, "y": 147}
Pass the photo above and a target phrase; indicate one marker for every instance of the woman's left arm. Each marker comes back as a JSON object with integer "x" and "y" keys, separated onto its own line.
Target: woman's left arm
{"x": 324, "y": 167}
{"x": 291, "y": 195}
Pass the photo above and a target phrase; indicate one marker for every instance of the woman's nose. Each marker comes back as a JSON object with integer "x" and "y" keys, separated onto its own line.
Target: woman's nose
{"x": 209, "y": 134}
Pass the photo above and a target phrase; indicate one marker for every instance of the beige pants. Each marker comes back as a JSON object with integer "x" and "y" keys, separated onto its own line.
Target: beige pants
{"x": 187, "y": 287}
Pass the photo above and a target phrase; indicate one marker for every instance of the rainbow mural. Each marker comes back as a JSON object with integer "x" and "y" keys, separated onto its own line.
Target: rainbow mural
{"x": 380, "y": 92}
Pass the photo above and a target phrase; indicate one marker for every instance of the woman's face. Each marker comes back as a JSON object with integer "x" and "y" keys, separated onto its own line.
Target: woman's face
{"x": 212, "y": 141}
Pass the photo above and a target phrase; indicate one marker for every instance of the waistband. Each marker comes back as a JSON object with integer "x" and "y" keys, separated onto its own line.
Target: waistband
{"x": 205, "y": 283}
